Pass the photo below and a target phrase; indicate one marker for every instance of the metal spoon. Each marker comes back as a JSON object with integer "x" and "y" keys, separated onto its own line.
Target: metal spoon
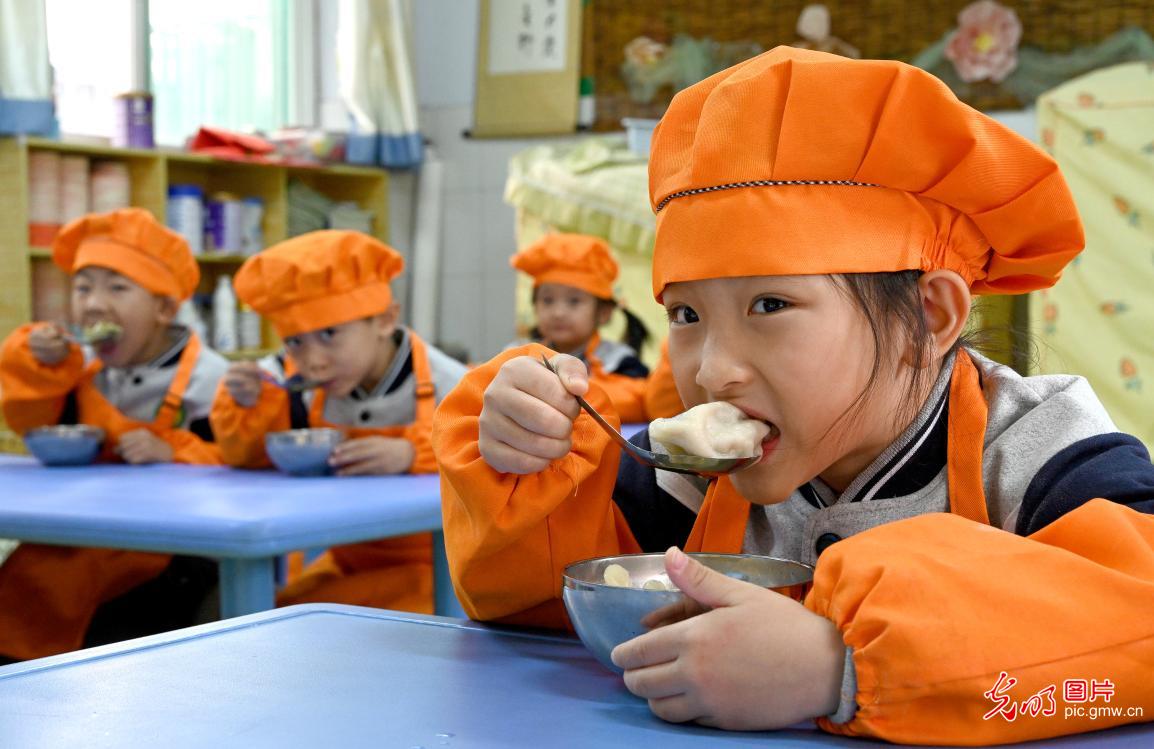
{"x": 291, "y": 385}
{"x": 84, "y": 337}
{"x": 691, "y": 464}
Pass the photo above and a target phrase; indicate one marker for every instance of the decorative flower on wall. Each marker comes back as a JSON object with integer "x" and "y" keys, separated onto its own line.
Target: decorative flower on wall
{"x": 644, "y": 51}
{"x": 985, "y": 44}
{"x": 650, "y": 65}
{"x": 813, "y": 26}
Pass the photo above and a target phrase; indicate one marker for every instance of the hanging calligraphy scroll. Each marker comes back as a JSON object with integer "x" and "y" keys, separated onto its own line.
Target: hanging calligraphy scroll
{"x": 527, "y": 68}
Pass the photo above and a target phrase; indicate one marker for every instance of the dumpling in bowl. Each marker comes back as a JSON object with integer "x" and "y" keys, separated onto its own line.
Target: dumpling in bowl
{"x": 711, "y": 430}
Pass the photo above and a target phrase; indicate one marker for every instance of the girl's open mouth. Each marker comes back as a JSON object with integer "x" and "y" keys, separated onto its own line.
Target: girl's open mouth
{"x": 769, "y": 444}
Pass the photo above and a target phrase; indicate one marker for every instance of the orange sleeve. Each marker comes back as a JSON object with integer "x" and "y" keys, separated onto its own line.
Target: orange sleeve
{"x": 937, "y": 607}
{"x": 661, "y": 398}
{"x": 239, "y": 432}
{"x": 32, "y": 394}
{"x": 188, "y": 448}
{"x": 627, "y": 394}
{"x": 509, "y": 537}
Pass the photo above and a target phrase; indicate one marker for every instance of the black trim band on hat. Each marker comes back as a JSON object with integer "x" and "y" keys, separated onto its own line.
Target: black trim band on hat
{"x": 761, "y": 183}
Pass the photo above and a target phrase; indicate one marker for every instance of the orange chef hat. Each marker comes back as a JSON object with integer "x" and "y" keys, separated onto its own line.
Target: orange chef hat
{"x": 135, "y": 245}
{"x": 576, "y": 260}
{"x": 801, "y": 162}
{"x": 319, "y": 279}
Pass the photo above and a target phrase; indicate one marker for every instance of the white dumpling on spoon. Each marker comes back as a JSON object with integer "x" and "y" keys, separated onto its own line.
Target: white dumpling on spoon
{"x": 711, "y": 430}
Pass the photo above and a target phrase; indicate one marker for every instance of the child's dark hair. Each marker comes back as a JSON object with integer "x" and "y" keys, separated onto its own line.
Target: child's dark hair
{"x": 892, "y": 305}
{"x": 635, "y": 335}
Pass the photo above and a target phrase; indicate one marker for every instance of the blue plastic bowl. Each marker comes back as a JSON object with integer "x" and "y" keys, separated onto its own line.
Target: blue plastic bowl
{"x": 65, "y": 444}
{"x": 302, "y": 452}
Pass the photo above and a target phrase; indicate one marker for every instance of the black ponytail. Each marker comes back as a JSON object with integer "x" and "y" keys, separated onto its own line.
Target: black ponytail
{"x": 636, "y": 334}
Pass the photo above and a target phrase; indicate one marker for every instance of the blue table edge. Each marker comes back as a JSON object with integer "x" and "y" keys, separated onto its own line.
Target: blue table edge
{"x": 201, "y": 631}
{"x": 290, "y": 612}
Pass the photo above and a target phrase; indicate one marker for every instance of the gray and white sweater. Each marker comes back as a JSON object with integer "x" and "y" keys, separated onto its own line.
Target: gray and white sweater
{"x": 1049, "y": 448}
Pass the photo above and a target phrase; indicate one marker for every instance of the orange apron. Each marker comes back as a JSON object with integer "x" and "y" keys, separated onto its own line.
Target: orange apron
{"x": 393, "y": 573}
{"x": 48, "y": 594}
{"x": 94, "y": 408}
{"x": 626, "y": 393}
{"x": 724, "y": 515}
{"x": 662, "y": 401}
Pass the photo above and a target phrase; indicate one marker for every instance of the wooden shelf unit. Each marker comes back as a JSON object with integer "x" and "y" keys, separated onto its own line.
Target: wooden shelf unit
{"x": 151, "y": 172}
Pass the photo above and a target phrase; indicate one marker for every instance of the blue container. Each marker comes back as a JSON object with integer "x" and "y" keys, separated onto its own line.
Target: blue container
{"x": 185, "y": 214}
{"x": 223, "y": 223}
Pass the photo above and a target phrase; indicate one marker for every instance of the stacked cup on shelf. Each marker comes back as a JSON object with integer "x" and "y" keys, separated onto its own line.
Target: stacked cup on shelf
{"x": 43, "y": 197}
{"x": 110, "y": 187}
{"x": 75, "y": 195}
{"x": 61, "y": 188}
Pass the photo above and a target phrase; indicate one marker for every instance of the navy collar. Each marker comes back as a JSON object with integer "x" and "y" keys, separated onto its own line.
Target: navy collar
{"x": 914, "y": 459}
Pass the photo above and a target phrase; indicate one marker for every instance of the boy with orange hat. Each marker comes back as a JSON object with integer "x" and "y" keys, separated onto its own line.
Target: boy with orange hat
{"x": 327, "y": 294}
{"x": 149, "y": 387}
{"x": 982, "y": 541}
{"x": 573, "y": 277}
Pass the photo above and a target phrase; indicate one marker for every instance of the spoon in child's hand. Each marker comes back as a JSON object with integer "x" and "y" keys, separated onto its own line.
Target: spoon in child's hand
{"x": 692, "y": 464}
{"x": 92, "y": 335}
{"x": 293, "y": 385}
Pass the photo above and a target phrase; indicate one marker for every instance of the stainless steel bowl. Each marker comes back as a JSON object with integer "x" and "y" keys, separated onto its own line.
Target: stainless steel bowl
{"x": 606, "y": 616}
{"x": 302, "y": 452}
{"x": 65, "y": 444}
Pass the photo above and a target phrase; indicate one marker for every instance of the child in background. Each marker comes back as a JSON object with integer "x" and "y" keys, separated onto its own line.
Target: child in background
{"x": 573, "y": 277}
{"x": 327, "y": 294}
{"x": 979, "y": 537}
{"x": 149, "y": 388}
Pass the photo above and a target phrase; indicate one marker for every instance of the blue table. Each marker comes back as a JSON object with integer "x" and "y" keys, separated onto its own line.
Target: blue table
{"x": 244, "y": 519}
{"x": 329, "y": 676}
{"x": 630, "y": 429}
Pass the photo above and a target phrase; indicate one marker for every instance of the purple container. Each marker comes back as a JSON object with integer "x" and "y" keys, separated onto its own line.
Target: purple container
{"x": 133, "y": 121}
{"x": 222, "y": 226}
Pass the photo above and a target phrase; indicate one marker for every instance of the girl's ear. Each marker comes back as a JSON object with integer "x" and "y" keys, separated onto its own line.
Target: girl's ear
{"x": 946, "y": 305}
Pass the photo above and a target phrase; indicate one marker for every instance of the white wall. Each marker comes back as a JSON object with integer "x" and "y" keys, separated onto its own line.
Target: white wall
{"x": 477, "y": 284}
